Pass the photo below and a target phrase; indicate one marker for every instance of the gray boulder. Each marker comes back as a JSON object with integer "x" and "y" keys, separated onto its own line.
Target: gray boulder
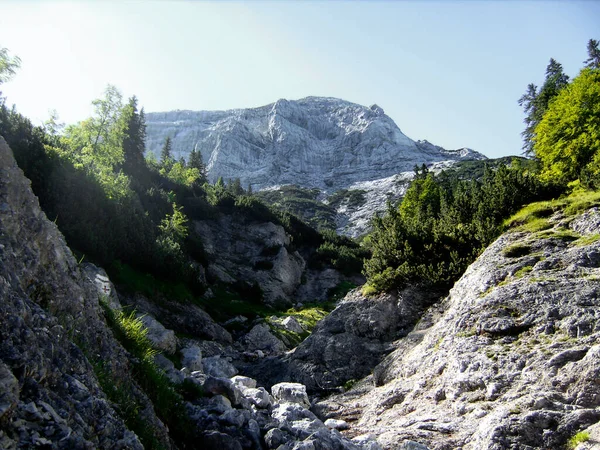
{"x": 161, "y": 338}
{"x": 261, "y": 338}
{"x": 191, "y": 357}
{"x": 216, "y": 366}
{"x": 290, "y": 393}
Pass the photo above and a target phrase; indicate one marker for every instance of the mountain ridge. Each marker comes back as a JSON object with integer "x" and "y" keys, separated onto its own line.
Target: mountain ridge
{"x": 321, "y": 142}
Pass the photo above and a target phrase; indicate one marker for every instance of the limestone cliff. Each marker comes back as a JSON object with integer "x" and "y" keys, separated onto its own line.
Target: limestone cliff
{"x": 51, "y": 327}
{"x": 313, "y": 142}
{"x": 510, "y": 359}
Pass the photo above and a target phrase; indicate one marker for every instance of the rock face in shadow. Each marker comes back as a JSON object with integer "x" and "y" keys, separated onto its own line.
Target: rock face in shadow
{"x": 510, "y": 359}
{"x": 348, "y": 343}
{"x": 50, "y": 316}
{"x": 262, "y": 254}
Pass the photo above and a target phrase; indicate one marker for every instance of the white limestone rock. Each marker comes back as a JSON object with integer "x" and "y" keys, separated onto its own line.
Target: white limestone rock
{"x": 290, "y": 393}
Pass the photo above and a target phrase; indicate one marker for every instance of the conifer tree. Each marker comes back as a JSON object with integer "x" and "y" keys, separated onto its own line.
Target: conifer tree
{"x": 535, "y": 103}
{"x": 166, "y": 160}
{"x": 593, "y": 61}
{"x": 134, "y": 140}
{"x": 195, "y": 162}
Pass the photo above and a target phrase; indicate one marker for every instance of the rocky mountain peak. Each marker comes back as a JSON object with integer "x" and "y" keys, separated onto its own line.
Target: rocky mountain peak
{"x": 321, "y": 142}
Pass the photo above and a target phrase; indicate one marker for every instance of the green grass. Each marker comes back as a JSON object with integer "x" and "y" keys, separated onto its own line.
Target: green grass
{"x": 307, "y": 317}
{"x": 533, "y": 216}
{"x": 582, "y": 436}
{"x": 368, "y": 290}
{"x": 533, "y": 211}
{"x": 587, "y": 240}
{"x": 523, "y": 271}
{"x": 167, "y": 401}
{"x": 516, "y": 250}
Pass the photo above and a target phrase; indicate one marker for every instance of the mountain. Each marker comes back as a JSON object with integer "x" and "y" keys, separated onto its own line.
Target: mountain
{"x": 313, "y": 142}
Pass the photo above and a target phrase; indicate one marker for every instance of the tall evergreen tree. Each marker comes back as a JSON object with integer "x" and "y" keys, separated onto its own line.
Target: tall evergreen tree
{"x": 134, "y": 140}
{"x": 166, "y": 160}
{"x": 535, "y": 103}
{"x": 593, "y": 61}
{"x": 195, "y": 162}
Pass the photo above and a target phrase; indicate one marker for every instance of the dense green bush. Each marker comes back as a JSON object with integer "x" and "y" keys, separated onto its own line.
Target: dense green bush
{"x": 443, "y": 223}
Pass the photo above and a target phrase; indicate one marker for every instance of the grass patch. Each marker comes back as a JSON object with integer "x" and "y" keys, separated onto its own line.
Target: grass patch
{"x": 533, "y": 216}
{"x": 368, "y": 290}
{"x": 522, "y": 272}
{"x": 168, "y": 403}
{"x": 582, "y": 436}
{"x": 580, "y": 201}
{"x": 516, "y": 250}
{"x": 587, "y": 240}
{"x": 535, "y": 225}
{"x": 307, "y": 317}
{"x": 538, "y": 210}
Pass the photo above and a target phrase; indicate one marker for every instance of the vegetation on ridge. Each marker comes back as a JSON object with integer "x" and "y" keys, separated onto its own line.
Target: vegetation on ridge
{"x": 445, "y": 221}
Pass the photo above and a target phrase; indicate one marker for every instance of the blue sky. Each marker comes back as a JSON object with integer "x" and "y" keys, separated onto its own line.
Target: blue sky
{"x": 450, "y": 72}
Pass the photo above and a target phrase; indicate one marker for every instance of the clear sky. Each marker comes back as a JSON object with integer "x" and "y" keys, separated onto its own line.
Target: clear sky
{"x": 448, "y": 71}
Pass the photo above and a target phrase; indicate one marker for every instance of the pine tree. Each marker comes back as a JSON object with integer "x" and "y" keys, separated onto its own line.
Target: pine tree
{"x": 195, "y": 161}
{"x": 166, "y": 160}
{"x": 593, "y": 61}
{"x": 535, "y": 103}
{"x": 134, "y": 141}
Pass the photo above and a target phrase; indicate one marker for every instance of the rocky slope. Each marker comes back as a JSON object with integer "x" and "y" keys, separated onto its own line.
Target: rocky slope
{"x": 510, "y": 359}
{"x": 59, "y": 357}
{"x": 49, "y": 395}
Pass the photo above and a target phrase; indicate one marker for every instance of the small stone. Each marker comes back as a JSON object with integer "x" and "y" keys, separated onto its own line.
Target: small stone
{"x": 244, "y": 381}
{"x": 291, "y": 324}
{"x": 335, "y": 424}
{"x": 218, "y": 367}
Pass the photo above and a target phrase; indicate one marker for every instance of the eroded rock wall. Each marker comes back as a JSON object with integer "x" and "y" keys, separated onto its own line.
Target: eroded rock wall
{"x": 513, "y": 361}
{"x": 50, "y": 322}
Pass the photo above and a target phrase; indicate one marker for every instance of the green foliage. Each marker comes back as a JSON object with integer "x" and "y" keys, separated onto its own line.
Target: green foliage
{"x": 582, "y": 436}
{"x": 182, "y": 175}
{"x": 301, "y": 202}
{"x": 516, "y": 250}
{"x": 8, "y": 65}
{"x": 567, "y": 139}
{"x": 535, "y": 102}
{"x": 353, "y": 197}
{"x": 166, "y": 157}
{"x": 442, "y": 224}
{"x": 168, "y": 403}
{"x": 533, "y": 216}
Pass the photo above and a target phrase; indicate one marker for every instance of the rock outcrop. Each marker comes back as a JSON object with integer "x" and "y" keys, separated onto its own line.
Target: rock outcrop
{"x": 262, "y": 254}
{"x": 51, "y": 327}
{"x": 510, "y": 359}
